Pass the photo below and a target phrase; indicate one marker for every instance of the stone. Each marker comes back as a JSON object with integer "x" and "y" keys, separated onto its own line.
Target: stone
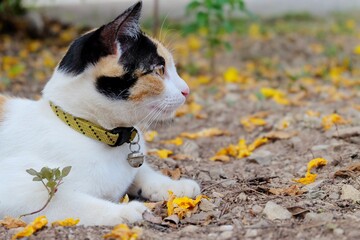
{"x": 204, "y": 176}
{"x": 251, "y": 233}
{"x": 206, "y": 205}
{"x": 229, "y": 183}
{"x": 314, "y": 186}
{"x": 226, "y": 235}
{"x": 338, "y": 231}
{"x": 274, "y": 211}
{"x": 190, "y": 148}
{"x": 349, "y": 192}
{"x": 257, "y": 209}
{"x": 224, "y": 228}
{"x": 320, "y": 147}
{"x": 334, "y": 196}
{"x": 242, "y": 196}
{"x": 216, "y": 172}
{"x": 318, "y": 217}
{"x": 190, "y": 229}
{"x": 262, "y": 157}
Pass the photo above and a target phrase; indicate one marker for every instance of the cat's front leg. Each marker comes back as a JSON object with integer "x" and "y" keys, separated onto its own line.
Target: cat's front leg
{"x": 91, "y": 210}
{"x": 154, "y": 186}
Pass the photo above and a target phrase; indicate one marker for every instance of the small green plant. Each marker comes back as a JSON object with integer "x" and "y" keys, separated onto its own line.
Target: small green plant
{"x": 214, "y": 18}
{"x": 12, "y": 7}
{"x": 51, "y": 179}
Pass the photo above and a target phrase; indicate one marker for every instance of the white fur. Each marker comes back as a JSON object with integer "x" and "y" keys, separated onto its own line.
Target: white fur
{"x": 31, "y": 136}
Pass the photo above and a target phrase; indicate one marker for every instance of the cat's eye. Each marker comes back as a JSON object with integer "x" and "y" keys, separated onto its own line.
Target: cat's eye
{"x": 160, "y": 70}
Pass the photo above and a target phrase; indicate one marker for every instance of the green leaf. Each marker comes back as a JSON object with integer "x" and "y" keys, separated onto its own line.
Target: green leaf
{"x": 192, "y": 5}
{"x": 65, "y": 171}
{"x": 57, "y": 173}
{"x": 51, "y": 184}
{"x": 227, "y": 46}
{"x": 32, "y": 172}
{"x": 37, "y": 179}
{"x": 202, "y": 19}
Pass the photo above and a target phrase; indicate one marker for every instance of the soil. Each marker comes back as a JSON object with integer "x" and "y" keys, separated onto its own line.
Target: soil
{"x": 239, "y": 189}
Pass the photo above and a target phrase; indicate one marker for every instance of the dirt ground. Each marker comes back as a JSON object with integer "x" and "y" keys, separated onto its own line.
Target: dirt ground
{"x": 240, "y": 191}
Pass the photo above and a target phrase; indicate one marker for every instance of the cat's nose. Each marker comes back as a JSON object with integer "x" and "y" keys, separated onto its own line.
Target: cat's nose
{"x": 185, "y": 92}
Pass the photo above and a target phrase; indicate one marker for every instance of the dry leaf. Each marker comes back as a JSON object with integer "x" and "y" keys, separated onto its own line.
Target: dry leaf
{"x": 171, "y": 221}
{"x": 209, "y": 132}
{"x": 174, "y": 174}
{"x": 293, "y": 190}
{"x": 123, "y": 232}
{"x": 275, "y": 135}
{"x": 350, "y": 171}
{"x": 150, "y": 217}
{"x": 297, "y": 211}
{"x": 68, "y": 222}
{"x": 10, "y": 222}
{"x": 311, "y": 177}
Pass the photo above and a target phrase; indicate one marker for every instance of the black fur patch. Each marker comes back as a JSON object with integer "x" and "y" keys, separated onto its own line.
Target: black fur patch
{"x": 85, "y": 50}
{"x": 141, "y": 56}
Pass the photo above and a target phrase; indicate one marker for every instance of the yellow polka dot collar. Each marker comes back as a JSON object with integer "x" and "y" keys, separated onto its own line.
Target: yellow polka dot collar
{"x": 115, "y": 137}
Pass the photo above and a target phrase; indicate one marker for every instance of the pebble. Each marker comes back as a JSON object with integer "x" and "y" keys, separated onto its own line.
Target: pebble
{"x": 215, "y": 173}
{"x": 262, "y": 157}
{"x": 228, "y": 183}
{"x": 334, "y": 196}
{"x": 257, "y": 209}
{"x": 349, "y": 192}
{"x": 190, "y": 148}
{"x": 313, "y": 186}
{"x": 274, "y": 211}
{"x": 224, "y": 228}
{"x": 320, "y": 147}
{"x": 226, "y": 235}
{"x": 338, "y": 231}
{"x": 206, "y": 205}
{"x": 204, "y": 176}
{"x": 190, "y": 229}
{"x": 242, "y": 196}
{"x": 251, "y": 233}
{"x": 318, "y": 217}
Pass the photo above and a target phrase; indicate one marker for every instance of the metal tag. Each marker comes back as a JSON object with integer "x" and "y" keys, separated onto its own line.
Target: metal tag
{"x": 136, "y": 159}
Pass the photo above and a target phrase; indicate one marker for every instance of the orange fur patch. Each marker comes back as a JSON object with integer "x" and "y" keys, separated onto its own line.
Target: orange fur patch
{"x": 147, "y": 86}
{"x": 108, "y": 66}
{"x": 3, "y": 99}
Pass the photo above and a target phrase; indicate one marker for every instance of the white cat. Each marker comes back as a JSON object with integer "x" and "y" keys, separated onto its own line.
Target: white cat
{"x": 114, "y": 76}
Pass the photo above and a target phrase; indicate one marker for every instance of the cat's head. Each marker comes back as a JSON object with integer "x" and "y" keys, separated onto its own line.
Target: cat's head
{"x": 117, "y": 76}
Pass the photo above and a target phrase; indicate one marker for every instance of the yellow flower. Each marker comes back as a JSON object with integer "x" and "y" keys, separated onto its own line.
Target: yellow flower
{"x": 32, "y": 227}
{"x": 240, "y": 150}
{"x": 123, "y": 232}
{"x": 312, "y": 113}
{"x": 311, "y": 177}
{"x": 194, "y": 43}
{"x": 251, "y": 122}
{"x": 208, "y": 132}
{"x": 329, "y": 121}
{"x": 68, "y": 222}
{"x": 254, "y": 31}
{"x": 183, "y": 205}
{"x": 164, "y": 153}
{"x": 357, "y": 50}
{"x": 231, "y": 75}
{"x": 276, "y": 95}
{"x": 176, "y": 141}
{"x": 151, "y": 135}
{"x": 125, "y": 199}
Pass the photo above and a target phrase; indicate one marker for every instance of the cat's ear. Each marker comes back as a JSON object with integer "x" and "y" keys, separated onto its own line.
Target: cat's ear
{"x": 125, "y": 26}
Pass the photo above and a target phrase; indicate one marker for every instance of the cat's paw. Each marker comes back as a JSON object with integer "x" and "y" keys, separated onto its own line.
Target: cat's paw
{"x": 183, "y": 187}
{"x": 132, "y": 211}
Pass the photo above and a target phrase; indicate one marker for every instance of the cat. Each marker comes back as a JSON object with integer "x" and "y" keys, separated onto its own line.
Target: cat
{"x": 113, "y": 77}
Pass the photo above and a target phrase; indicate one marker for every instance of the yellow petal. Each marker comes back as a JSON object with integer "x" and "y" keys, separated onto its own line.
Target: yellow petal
{"x": 123, "y": 232}
{"x": 164, "y": 153}
{"x": 357, "y": 50}
{"x": 222, "y": 158}
{"x": 151, "y": 135}
{"x": 176, "y": 141}
{"x": 68, "y": 222}
{"x": 231, "y": 75}
{"x": 257, "y": 143}
{"x": 125, "y": 199}
{"x": 209, "y": 132}
{"x": 311, "y": 177}
{"x": 32, "y": 227}
{"x": 332, "y": 119}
